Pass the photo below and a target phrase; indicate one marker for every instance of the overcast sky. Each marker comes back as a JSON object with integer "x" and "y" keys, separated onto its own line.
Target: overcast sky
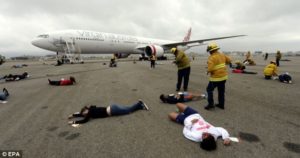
{"x": 269, "y": 24}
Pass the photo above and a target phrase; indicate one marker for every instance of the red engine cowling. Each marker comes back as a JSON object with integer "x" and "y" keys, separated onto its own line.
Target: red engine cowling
{"x": 158, "y": 51}
{"x": 121, "y": 55}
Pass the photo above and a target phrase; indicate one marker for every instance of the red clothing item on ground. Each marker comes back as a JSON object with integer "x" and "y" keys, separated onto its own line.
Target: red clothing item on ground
{"x": 65, "y": 82}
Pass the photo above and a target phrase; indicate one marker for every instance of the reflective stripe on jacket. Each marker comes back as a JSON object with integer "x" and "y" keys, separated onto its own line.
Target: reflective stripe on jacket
{"x": 217, "y": 66}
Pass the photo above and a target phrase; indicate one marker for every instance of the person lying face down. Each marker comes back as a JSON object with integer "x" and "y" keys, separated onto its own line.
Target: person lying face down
{"x": 12, "y": 77}
{"x": 92, "y": 112}
{"x": 197, "y": 129}
{"x": 63, "y": 82}
{"x": 181, "y": 97}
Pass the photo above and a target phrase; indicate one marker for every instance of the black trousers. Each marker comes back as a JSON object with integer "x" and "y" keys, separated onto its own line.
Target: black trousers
{"x": 277, "y": 62}
{"x": 221, "y": 92}
{"x": 152, "y": 63}
{"x": 183, "y": 74}
{"x": 56, "y": 83}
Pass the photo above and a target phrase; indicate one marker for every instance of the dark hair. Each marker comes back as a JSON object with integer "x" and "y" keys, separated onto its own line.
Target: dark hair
{"x": 162, "y": 98}
{"x": 83, "y": 109}
{"x": 208, "y": 143}
{"x": 72, "y": 79}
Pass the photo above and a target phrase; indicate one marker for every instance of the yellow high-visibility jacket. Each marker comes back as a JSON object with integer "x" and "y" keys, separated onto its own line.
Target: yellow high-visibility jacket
{"x": 278, "y": 56}
{"x": 216, "y": 66}
{"x": 248, "y": 56}
{"x": 270, "y": 70}
{"x": 153, "y": 57}
{"x": 182, "y": 61}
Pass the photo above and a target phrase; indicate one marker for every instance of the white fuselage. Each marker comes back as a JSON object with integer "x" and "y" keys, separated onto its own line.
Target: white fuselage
{"x": 90, "y": 42}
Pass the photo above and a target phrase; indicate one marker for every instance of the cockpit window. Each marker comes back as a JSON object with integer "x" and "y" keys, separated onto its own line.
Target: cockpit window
{"x": 43, "y": 36}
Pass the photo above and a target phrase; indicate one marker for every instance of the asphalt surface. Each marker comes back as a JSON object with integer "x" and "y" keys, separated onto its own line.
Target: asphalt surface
{"x": 263, "y": 114}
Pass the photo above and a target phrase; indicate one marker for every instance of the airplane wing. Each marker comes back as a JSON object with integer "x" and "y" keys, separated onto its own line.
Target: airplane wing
{"x": 140, "y": 49}
{"x": 169, "y": 45}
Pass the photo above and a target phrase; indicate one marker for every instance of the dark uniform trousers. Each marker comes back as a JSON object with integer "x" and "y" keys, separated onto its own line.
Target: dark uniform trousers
{"x": 185, "y": 74}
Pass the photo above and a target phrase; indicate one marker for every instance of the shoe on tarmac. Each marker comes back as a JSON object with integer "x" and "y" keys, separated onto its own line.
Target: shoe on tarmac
{"x": 144, "y": 105}
{"x": 207, "y": 107}
{"x": 204, "y": 96}
{"x": 220, "y": 106}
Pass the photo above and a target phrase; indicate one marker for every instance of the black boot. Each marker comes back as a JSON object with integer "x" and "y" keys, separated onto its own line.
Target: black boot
{"x": 207, "y": 107}
{"x": 220, "y": 106}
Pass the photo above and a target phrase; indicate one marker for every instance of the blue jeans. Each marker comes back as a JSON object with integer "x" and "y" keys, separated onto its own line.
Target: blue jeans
{"x": 124, "y": 110}
{"x": 221, "y": 92}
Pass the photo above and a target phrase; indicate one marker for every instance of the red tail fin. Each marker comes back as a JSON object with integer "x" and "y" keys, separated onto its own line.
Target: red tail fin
{"x": 187, "y": 36}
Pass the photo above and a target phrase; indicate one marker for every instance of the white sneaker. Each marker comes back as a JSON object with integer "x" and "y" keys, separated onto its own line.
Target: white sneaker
{"x": 203, "y": 96}
{"x": 145, "y": 107}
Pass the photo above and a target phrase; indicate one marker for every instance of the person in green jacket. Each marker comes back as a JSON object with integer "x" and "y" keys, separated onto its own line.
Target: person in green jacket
{"x": 183, "y": 63}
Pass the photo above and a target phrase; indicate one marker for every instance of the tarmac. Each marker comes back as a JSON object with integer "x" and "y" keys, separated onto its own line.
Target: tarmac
{"x": 263, "y": 114}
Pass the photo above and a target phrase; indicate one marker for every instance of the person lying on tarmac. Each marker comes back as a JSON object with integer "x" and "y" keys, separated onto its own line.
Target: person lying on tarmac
{"x": 63, "y": 82}
{"x": 285, "y": 78}
{"x": 91, "y": 112}
{"x": 4, "y": 94}
{"x": 181, "y": 97}
{"x": 12, "y": 77}
{"x": 19, "y": 65}
{"x": 197, "y": 129}
{"x": 239, "y": 67}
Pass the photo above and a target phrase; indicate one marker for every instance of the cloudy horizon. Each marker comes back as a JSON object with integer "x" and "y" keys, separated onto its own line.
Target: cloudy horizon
{"x": 269, "y": 25}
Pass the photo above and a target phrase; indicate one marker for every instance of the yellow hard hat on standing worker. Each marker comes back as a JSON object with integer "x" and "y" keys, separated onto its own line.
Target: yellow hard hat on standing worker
{"x": 211, "y": 47}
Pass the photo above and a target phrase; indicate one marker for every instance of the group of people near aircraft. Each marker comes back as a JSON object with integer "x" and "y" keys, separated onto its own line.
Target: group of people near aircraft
{"x": 195, "y": 127}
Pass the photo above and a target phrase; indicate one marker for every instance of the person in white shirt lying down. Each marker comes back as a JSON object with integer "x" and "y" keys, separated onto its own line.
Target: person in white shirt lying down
{"x": 197, "y": 129}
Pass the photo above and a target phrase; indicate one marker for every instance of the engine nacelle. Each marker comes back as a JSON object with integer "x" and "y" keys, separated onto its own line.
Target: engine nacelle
{"x": 121, "y": 55}
{"x": 158, "y": 51}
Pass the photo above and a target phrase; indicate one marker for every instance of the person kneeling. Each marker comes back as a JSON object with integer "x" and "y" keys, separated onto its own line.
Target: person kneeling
{"x": 88, "y": 112}
{"x": 197, "y": 129}
{"x": 285, "y": 78}
{"x": 270, "y": 70}
{"x": 3, "y": 95}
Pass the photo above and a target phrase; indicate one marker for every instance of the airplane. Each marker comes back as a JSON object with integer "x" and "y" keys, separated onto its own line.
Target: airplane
{"x": 76, "y": 42}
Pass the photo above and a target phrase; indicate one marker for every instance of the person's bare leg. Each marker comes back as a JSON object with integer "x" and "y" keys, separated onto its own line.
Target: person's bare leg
{"x": 173, "y": 115}
{"x": 181, "y": 107}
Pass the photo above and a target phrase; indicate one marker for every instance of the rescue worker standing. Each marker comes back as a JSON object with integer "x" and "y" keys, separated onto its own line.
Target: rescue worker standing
{"x": 218, "y": 75}
{"x": 270, "y": 70}
{"x": 248, "y": 57}
{"x": 113, "y": 61}
{"x": 183, "y": 63}
{"x": 152, "y": 60}
{"x": 278, "y": 57}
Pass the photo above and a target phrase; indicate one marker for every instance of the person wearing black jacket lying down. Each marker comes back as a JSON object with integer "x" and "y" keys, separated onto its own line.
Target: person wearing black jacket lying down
{"x": 91, "y": 112}
{"x": 181, "y": 97}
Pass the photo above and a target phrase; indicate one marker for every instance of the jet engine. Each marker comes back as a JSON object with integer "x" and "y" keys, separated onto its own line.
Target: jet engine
{"x": 158, "y": 51}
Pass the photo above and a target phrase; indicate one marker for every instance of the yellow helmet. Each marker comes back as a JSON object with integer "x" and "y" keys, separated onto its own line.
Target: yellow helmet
{"x": 211, "y": 47}
{"x": 173, "y": 50}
